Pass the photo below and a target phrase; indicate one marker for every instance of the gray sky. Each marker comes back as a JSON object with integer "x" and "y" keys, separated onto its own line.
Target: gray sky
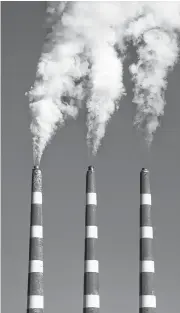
{"x": 64, "y": 163}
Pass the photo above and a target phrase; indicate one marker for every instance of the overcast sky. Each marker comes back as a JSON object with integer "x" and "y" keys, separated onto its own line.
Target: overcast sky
{"x": 64, "y": 163}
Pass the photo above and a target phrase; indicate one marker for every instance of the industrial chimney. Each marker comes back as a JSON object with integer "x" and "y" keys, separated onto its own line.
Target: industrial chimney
{"x": 35, "y": 302}
{"x": 91, "y": 265}
{"x": 147, "y": 301}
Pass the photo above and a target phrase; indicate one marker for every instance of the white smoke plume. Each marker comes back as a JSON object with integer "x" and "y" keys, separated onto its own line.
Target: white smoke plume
{"x": 53, "y": 96}
{"x": 80, "y": 64}
{"x": 155, "y": 35}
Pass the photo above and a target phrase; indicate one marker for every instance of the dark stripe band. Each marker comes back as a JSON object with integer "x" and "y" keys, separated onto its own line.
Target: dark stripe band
{"x": 144, "y": 182}
{"x": 145, "y": 215}
{"x": 36, "y": 180}
{"x": 147, "y": 310}
{"x": 146, "y": 284}
{"x": 91, "y": 283}
{"x": 90, "y": 252}
{"x": 36, "y": 214}
{"x": 90, "y": 181}
{"x": 36, "y": 249}
{"x": 91, "y": 217}
{"x": 146, "y": 249}
{"x": 92, "y": 310}
{"x": 35, "y": 310}
{"x": 35, "y": 284}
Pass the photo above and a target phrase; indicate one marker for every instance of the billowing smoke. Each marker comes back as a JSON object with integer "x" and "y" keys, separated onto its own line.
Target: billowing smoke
{"x": 154, "y": 35}
{"x": 57, "y": 86}
{"x": 82, "y": 63}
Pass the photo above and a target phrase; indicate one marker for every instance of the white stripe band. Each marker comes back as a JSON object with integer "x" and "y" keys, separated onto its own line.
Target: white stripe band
{"x": 91, "y": 301}
{"x": 91, "y": 232}
{"x": 146, "y": 232}
{"x": 91, "y": 198}
{"x": 147, "y": 267}
{"x": 35, "y": 266}
{"x": 36, "y": 231}
{"x": 147, "y": 301}
{"x": 37, "y": 197}
{"x": 91, "y": 266}
{"x": 145, "y": 198}
{"x": 36, "y": 302}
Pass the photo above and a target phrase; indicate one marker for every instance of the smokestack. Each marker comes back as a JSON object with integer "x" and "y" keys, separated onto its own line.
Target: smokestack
{"x": 147, "y": 301}
{"x": 91, "y": 265}
{"x": 35, "y": 302}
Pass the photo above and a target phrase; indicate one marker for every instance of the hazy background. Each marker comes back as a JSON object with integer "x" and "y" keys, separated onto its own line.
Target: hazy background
{"x": 64, "y": 163}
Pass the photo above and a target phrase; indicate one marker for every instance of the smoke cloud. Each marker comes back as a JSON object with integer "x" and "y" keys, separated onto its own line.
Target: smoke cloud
{"x": 82, "y": 64}
{"x": 154, "y": 34}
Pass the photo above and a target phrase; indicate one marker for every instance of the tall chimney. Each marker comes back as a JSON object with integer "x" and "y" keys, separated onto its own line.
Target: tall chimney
{"x": 35, "y": 302}
{"x": 91, "y": 265}
{"x": 147, "y": 301}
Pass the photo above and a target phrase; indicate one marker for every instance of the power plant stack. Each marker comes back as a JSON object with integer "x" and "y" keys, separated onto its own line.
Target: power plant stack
{"x": 147, "y": 302}
{"x": 35, "y": 303}
{"x": 91, "y": 265}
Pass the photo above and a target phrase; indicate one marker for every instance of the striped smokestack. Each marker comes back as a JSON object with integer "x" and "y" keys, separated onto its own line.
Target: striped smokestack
{"x": 35, "y": 303}
{"x": 147, "y": 301}
{"x": 91, "y": 265}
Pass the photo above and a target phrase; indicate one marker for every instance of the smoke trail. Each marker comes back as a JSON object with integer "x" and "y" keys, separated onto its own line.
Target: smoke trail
{"x": 52, "y": 98}
{"x": 80, "y": 62}
{"x": 106, "y": 71}
{"x": 107, "y": 88}
{"x": 154, "y": 33}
